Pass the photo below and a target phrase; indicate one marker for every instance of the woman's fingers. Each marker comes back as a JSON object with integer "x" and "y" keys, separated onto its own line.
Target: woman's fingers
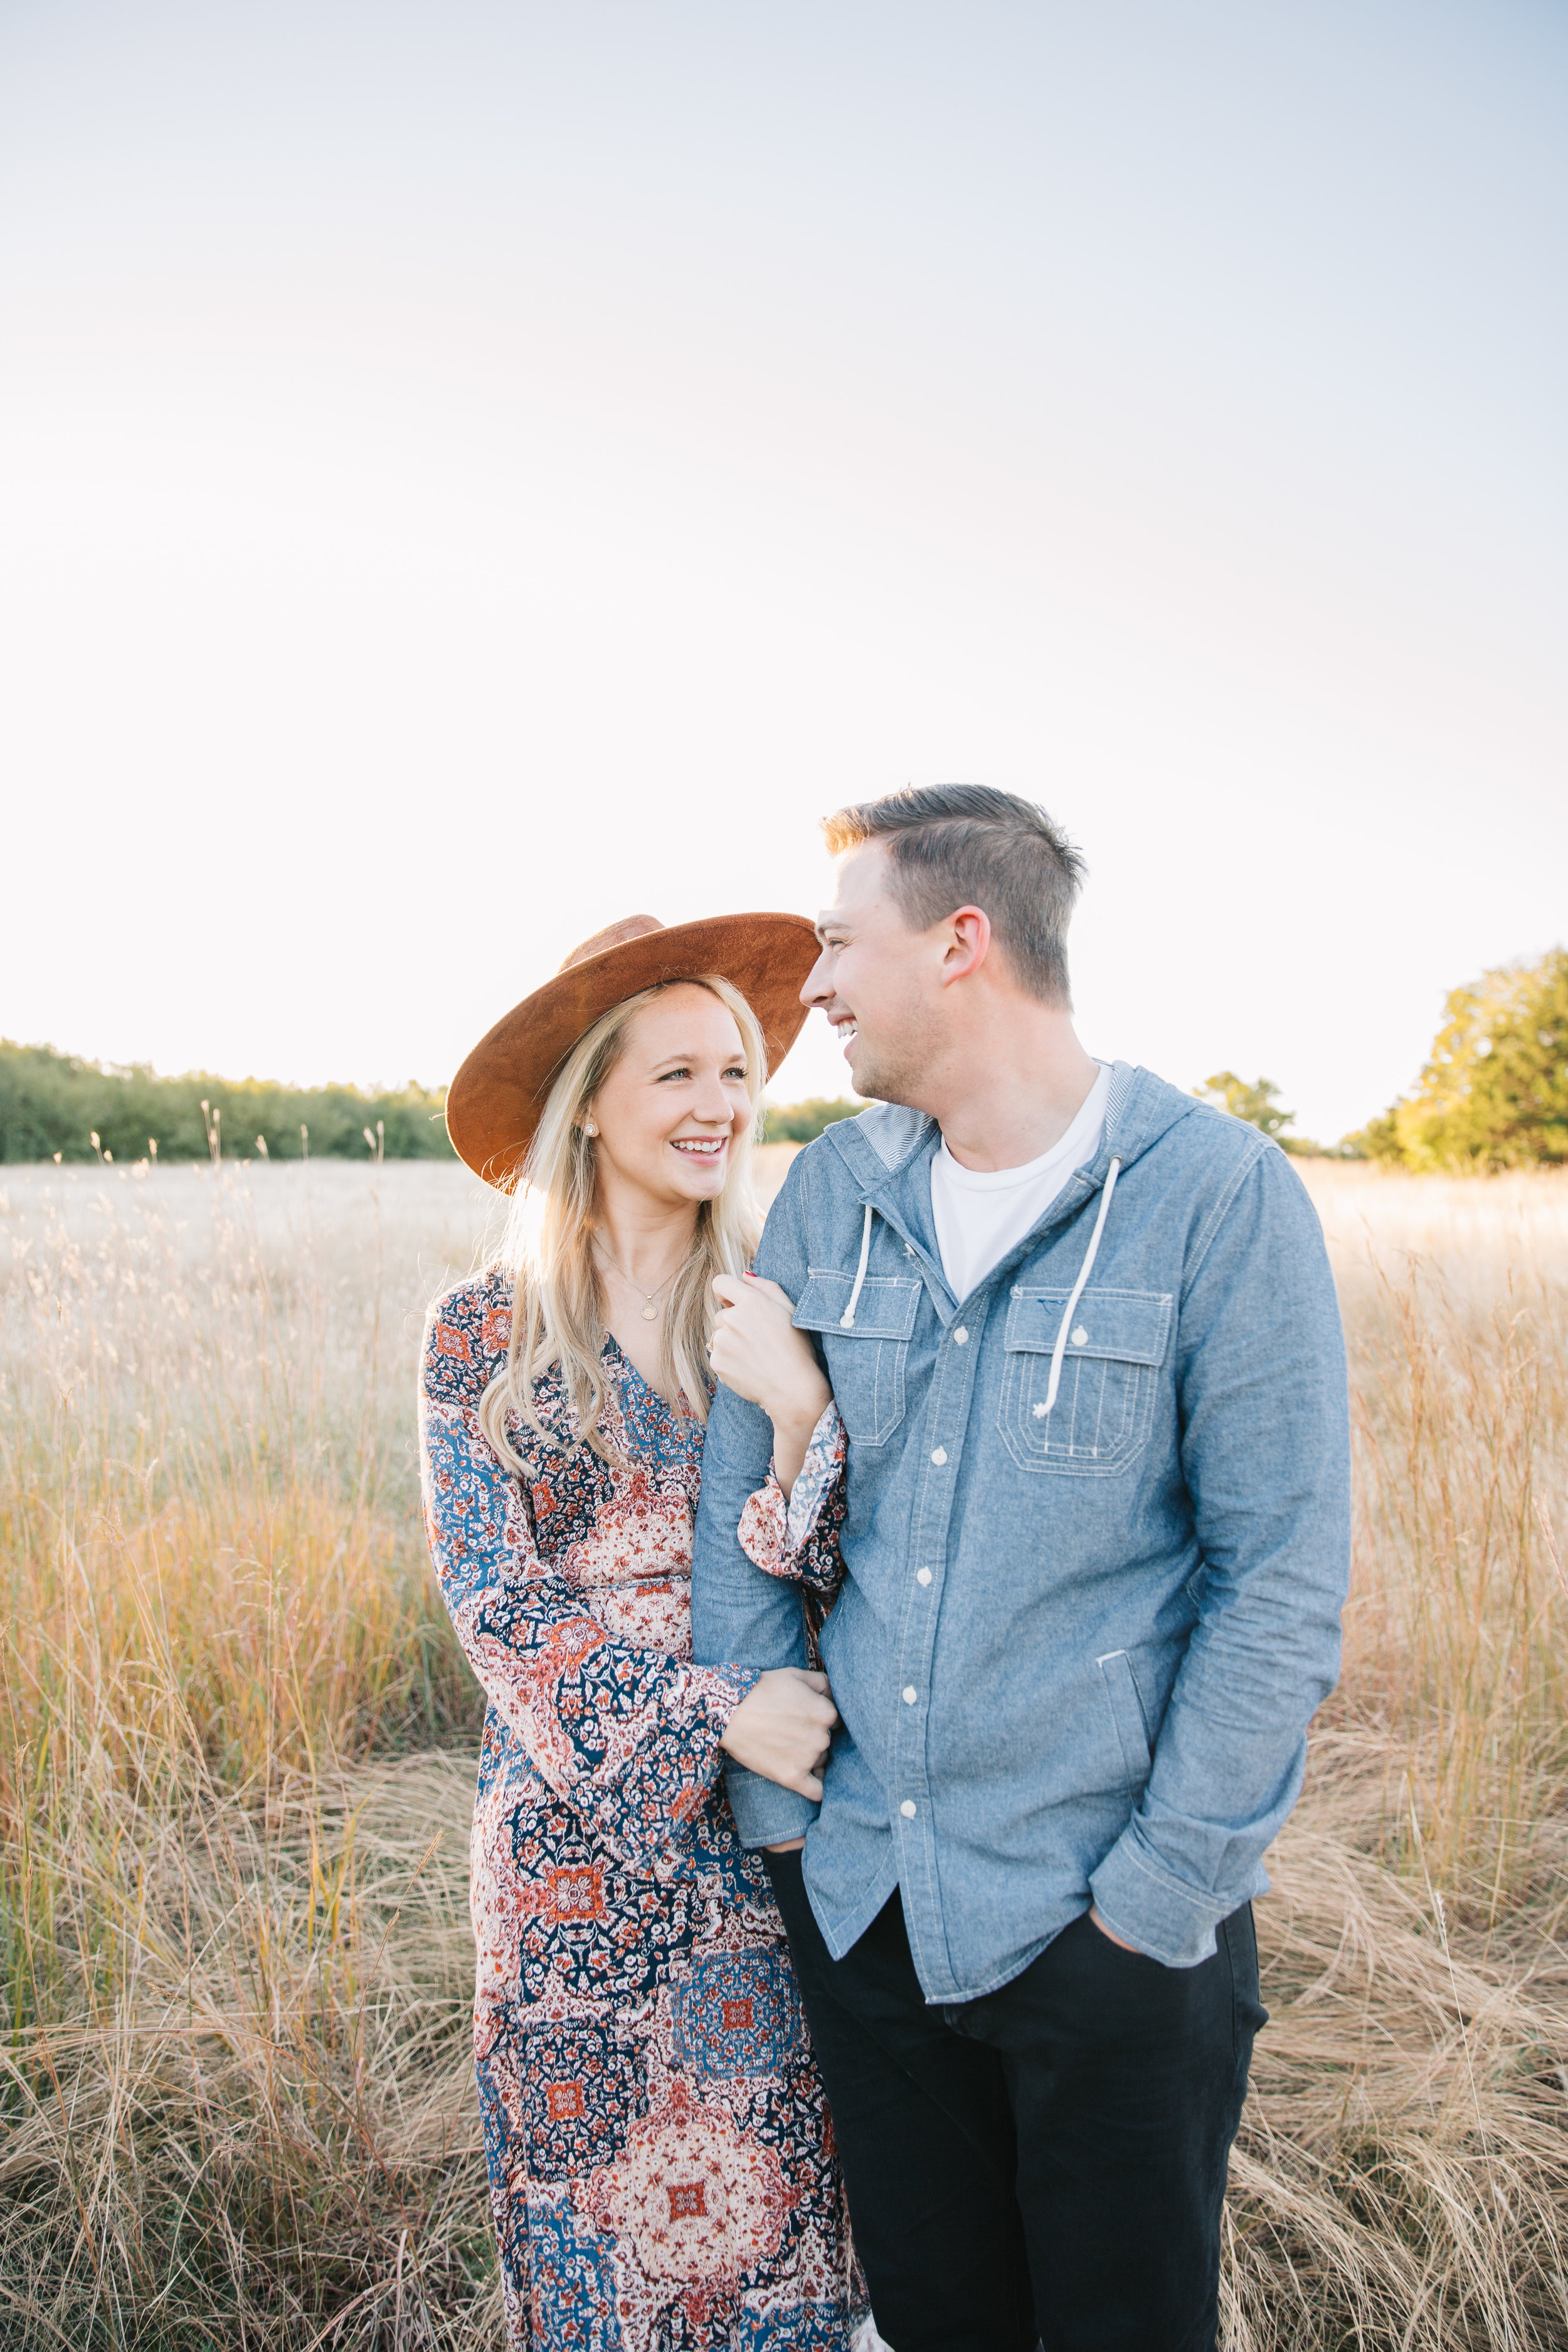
{"x": 757, "y": 1352}
{"x": 809, "y": 1783}
{"x": 783, "y": 1728}
{"x": 730, "y": 1288}
{"x": 760, "y": 1285}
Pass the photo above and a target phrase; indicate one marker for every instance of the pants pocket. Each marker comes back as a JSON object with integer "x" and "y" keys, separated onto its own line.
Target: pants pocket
{"x": 1239, "y": 1940}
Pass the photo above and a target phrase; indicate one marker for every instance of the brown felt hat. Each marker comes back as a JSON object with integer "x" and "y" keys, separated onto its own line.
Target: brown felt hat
{"x": 496, "y": 1098}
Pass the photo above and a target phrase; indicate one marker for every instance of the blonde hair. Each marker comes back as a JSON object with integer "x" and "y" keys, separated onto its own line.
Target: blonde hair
{"x": 557, "y": 1314}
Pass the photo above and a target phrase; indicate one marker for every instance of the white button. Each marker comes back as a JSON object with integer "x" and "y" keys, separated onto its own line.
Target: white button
{"x": 910, "y": 1693}
{"x": 1040, "y": 1412}
{"x": 1081, "y": 1338}
{"x": 908, "y": 1809}
{"x": 960, "y": 1336}
{"x": 940, "y": 1456}
{"x": 922, "y": 1575}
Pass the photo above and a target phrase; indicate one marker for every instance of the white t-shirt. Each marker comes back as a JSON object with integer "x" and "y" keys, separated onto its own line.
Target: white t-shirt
{"x": 980, "y": 1216}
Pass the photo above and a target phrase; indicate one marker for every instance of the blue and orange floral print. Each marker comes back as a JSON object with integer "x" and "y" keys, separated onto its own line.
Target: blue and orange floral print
{"x": 799, "y": 1541}
{"x": 660, "y": 2156}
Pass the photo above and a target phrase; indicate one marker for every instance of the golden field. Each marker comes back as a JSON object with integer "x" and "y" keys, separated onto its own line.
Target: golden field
{"x": 235, "y": 2107}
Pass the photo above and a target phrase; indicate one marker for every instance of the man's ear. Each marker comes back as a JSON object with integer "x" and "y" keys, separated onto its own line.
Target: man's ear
{"x": 968, "y": 943}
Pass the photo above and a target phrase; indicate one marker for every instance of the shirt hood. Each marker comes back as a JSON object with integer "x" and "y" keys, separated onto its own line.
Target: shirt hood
{"x": 881, "y": 1143}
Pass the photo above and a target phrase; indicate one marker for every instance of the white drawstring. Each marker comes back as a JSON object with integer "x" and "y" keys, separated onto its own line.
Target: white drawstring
{"x": 1077, "y": 1291}
{"x": 847, "y": 1320}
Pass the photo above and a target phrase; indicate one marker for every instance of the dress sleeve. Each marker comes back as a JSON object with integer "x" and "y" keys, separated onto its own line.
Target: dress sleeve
{"x": 798, "y": 1539}
{"x": 629, "y": 1737}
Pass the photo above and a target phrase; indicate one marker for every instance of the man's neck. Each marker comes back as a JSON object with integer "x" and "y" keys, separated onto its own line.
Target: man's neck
{"x": 1009, "y": 1093}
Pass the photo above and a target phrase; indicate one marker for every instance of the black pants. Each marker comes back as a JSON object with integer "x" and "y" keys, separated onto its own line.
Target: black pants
{"x": 1048, "y": 2162}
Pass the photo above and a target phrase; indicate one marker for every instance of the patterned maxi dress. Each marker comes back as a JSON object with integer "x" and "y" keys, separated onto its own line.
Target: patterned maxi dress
{"x": 660, "y": 2157}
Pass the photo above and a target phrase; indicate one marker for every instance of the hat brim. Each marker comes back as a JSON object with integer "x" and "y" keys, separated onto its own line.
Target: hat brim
{"x": 495, "y": 1102}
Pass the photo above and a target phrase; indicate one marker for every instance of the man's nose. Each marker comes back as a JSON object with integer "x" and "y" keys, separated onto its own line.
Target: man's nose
{"x": 818, "y": 985}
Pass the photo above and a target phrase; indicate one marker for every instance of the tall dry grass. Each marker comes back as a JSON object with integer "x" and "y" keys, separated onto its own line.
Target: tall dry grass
{"x": 1402, "y": 2178}
{"x": 235, "y": 2097}
{"x": 233, "y": 1945}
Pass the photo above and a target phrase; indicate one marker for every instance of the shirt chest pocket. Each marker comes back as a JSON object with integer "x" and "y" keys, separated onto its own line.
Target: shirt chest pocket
{"x": 1104, "y": 1407}
{"x": 866, "y": 1362}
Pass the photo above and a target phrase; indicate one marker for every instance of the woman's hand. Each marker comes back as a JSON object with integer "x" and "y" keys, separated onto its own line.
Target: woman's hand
{"x": 782, "y": 1728}
{"x": 758, "y": 1352}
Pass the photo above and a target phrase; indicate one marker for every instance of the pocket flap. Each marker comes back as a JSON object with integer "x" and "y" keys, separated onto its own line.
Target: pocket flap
{"x": 884, "y": 1311}
{"x": 1132, "y": 1326}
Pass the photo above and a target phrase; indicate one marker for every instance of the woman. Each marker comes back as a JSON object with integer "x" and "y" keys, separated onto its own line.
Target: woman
{"x": 660, "y": 2159}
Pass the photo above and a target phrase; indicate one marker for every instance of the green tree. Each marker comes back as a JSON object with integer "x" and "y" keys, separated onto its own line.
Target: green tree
{"x": 58, "y": 1104}
{"x": 802, "y": 1122}
{"x": 1494, "y": 1093}
{"x": 1378, "y": 1139}
{"x": 1258, "y": 1104}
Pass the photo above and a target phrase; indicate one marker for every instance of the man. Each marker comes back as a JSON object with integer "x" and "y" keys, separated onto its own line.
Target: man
{"x": 1083, "y": 1341}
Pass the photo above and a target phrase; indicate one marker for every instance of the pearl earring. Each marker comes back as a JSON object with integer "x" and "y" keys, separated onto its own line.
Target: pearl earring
{"x": 589, "y": 1128}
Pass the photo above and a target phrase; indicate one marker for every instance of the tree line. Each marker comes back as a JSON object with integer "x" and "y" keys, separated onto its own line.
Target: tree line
{"x": 1493, "y": 1094}
{"x": 60, "y": 1107}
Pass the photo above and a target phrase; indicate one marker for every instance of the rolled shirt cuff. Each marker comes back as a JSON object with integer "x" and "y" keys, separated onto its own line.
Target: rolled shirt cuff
{"x": 765, "y": 1814}
{"x": 1163, "y": 1916}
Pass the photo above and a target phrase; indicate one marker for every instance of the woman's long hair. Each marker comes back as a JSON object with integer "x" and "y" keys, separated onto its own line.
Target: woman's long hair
{"x": 557, "y": 1316}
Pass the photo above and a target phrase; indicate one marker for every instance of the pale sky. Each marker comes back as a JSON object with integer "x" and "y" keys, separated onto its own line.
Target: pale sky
{"x": 471, "y": 473}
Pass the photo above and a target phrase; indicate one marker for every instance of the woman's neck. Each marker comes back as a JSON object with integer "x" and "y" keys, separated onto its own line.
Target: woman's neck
{"x": 640, "y": 1245}
{"x": 645, "y": 1239}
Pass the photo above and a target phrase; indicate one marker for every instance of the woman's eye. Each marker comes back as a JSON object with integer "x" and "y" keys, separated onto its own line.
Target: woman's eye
{"x": 736, "y": 1071}
{"x": 682, "y": 1073}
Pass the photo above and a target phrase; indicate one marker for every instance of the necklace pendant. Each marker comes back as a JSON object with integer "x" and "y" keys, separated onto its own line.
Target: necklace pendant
{"x": 651, "y": 1315}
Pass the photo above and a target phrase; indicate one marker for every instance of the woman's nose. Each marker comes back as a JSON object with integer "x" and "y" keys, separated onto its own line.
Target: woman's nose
{"x": 713, "y": 1105}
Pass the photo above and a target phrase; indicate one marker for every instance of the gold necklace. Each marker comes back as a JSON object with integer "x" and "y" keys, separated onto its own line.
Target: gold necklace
{"x": 650, "y": 1312}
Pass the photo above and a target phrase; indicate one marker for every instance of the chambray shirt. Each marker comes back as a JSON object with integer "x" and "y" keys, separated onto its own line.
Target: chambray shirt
{"x": 1075, "y": 1652}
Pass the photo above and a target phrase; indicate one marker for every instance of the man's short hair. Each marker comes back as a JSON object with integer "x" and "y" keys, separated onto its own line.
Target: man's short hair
{"x": 953, "y": 845}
